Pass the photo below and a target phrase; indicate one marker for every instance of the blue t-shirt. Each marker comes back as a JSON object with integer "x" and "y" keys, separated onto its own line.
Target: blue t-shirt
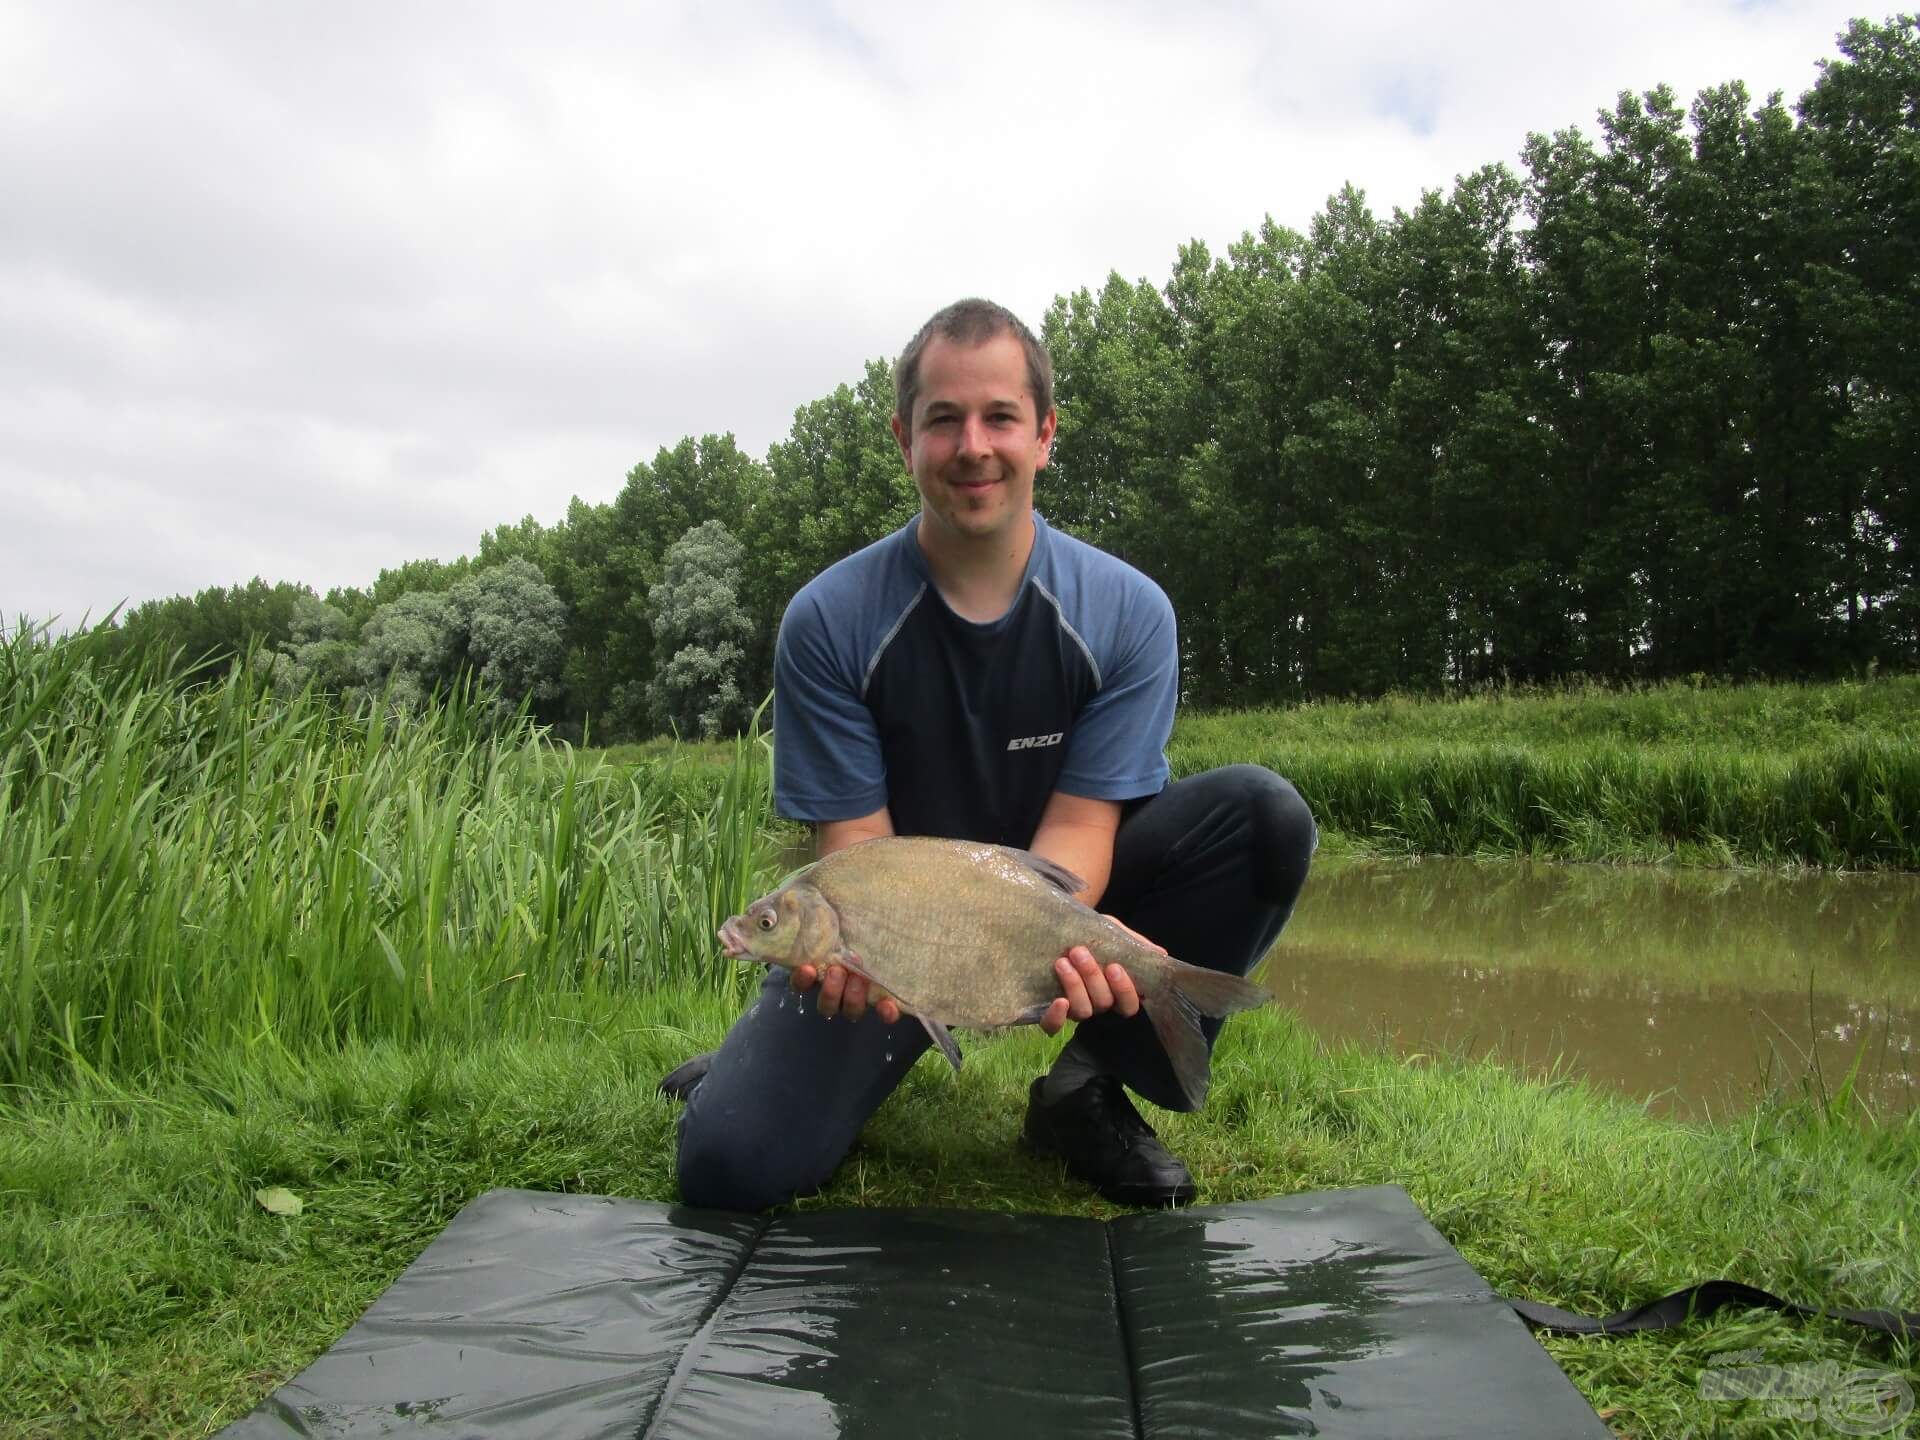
{"x": 884, "y": 696}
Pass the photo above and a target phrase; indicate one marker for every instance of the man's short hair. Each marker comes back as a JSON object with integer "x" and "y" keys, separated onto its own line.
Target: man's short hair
{"x": 972, "y": 322}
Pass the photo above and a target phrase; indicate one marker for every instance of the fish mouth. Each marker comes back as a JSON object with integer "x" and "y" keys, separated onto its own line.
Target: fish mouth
{"x": 733, "y": 937}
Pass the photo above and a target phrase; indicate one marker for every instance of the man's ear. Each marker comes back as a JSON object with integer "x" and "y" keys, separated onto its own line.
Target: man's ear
{"x": 904, "y": 440}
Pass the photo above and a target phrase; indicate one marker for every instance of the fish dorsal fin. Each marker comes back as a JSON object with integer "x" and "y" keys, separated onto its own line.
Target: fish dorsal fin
{"x": 1054, "y": 874}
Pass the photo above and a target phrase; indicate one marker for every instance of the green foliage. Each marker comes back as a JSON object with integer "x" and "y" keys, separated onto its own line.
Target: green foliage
{"x": 411, "y": 648}
{"x": 515, "y": 630}
{"x": 210, "y": 631}
{"x": 189, "y": 869}
{"x": 702, "y": 632}
{"x": 319, "y": 650}
{"x": 1763, "y": 774}
{"x": 503, "y": 623}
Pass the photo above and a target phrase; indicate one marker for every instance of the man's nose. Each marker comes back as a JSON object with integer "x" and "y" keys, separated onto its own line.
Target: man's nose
{"x": 974, "y": 440}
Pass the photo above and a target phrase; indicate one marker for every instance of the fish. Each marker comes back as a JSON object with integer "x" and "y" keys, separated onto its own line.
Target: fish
{"x": 964, "y": 934}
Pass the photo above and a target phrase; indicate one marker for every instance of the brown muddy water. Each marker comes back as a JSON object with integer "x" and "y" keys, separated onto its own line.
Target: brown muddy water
{"x": 1694, "y": 991}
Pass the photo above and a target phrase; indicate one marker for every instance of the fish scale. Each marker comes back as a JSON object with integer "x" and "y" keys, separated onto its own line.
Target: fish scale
{"x": 965, "y": 934}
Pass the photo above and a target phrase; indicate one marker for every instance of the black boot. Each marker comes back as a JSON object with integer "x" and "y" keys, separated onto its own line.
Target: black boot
{"x": 1096, "y": 1130}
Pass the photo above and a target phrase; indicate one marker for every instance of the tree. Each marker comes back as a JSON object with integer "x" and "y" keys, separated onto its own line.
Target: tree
{"x": 515, "y": 631}
{"x": 699, "y": 624}
{"x": 319, "y": 652}
{"x": 214, "y": 628}
{"x": 1864, "y": 119}
{"x": 411, "y": 647}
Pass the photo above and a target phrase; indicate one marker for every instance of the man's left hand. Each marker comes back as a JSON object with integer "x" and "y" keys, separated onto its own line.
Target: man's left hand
{"x": 1087, "y": 989}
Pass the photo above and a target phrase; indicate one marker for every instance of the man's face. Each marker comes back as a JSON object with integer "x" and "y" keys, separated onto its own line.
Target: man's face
{"x": 975, "y": 442}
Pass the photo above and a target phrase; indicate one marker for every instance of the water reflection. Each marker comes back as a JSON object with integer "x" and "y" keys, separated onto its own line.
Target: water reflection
{"x": 1330, "y": 1314}
{"x": 1693, "y": 988}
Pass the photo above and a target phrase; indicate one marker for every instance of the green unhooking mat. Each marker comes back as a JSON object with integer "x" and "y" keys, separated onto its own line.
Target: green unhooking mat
{"x": 1337, "y": 1314}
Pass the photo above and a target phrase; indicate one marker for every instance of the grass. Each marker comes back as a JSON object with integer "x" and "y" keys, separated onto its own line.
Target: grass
{"x": 148, "y": 1294}
{"x": 1765, "y": 774}
{"x": 392, "y": 961}
{"x": 184, "y": 870}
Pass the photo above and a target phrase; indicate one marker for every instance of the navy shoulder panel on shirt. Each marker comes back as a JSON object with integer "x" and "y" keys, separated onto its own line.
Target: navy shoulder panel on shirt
{"x": 826, "y": 752}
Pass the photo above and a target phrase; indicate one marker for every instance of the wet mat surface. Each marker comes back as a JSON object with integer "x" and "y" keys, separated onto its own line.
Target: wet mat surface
{"x": 1338, "y": 1314}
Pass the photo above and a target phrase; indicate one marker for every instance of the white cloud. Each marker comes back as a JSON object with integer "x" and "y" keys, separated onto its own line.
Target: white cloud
{"x": 307, "y": 291}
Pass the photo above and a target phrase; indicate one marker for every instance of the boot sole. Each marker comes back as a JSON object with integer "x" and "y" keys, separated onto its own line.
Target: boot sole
{"x": 1141, "y": 1197}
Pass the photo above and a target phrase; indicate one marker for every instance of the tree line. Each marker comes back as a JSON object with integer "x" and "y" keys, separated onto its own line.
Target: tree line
{"x": 1642, "y": 408}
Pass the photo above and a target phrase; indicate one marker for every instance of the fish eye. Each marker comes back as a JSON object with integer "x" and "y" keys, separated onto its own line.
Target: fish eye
{"x": 765, "y": 920}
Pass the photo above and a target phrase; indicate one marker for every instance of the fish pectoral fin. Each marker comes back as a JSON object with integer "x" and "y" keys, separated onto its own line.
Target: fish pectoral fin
{"x": 940, "y": 1036}
{"x": 1053, "y": 873}
{"x": 877, "y": 989}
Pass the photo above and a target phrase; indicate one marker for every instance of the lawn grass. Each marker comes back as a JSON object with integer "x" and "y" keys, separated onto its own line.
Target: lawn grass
{"x": 149, "y": 1294}
{"x": 389, "y": 962}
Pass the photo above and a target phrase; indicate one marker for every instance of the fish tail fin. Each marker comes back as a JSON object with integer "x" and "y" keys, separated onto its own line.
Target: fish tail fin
{"x": 1175, "y": 1012}
{"x": 1214, "y": 992}
{"x": 1177, "y": 1026}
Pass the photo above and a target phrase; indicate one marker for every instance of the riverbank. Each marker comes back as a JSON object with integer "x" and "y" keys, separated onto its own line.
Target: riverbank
{"x": 247, "y": 942}
{"x": 149, "y": 1294}
{"x": 1715, "y": 775}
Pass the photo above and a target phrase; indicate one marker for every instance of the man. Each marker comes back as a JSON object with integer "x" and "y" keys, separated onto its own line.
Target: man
{"x": 981, "y": 676}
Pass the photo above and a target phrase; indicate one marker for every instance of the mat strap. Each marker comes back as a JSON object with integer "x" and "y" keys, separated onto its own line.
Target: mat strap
{"x": 1698, "y": 1301}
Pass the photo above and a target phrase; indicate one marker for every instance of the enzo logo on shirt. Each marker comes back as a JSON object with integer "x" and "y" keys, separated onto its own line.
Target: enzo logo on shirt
{"x": 1037, "y": 742}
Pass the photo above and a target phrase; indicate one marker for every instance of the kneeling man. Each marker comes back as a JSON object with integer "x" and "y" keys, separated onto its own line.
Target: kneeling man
{"x": 979, "y": 675}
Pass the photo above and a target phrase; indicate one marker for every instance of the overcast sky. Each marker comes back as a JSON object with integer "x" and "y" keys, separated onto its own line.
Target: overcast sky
{"x": 303, "y": 291}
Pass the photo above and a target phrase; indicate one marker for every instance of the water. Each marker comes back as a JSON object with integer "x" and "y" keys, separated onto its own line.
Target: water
{"x": 1692, "y": 990}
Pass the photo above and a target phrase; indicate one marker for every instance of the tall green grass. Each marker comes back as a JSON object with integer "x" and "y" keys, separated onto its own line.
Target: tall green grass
{"x": 222, "y": 866}
{"x": 1770, "y": 774}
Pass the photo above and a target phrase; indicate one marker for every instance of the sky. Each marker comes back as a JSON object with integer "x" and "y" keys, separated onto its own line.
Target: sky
{"x": 305, "y": 291}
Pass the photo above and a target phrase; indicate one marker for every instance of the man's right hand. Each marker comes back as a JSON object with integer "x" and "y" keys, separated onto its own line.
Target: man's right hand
{"x": 846, "y": 994}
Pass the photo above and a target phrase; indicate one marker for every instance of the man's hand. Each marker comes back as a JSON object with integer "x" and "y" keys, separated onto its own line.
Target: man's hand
{"x": 844, "y": 993}
{"x": 1088, "y": 990}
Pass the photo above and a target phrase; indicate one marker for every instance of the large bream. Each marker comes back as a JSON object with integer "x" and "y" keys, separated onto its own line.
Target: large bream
{"x": 965, "y": 934}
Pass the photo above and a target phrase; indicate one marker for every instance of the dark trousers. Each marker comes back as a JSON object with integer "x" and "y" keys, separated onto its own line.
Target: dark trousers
{"x": 1210, "y": 868}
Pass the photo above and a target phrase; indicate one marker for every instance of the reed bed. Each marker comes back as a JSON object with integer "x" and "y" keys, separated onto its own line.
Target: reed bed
{"x": 1810, "y": 775}
{"x": 221, "y": 866}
